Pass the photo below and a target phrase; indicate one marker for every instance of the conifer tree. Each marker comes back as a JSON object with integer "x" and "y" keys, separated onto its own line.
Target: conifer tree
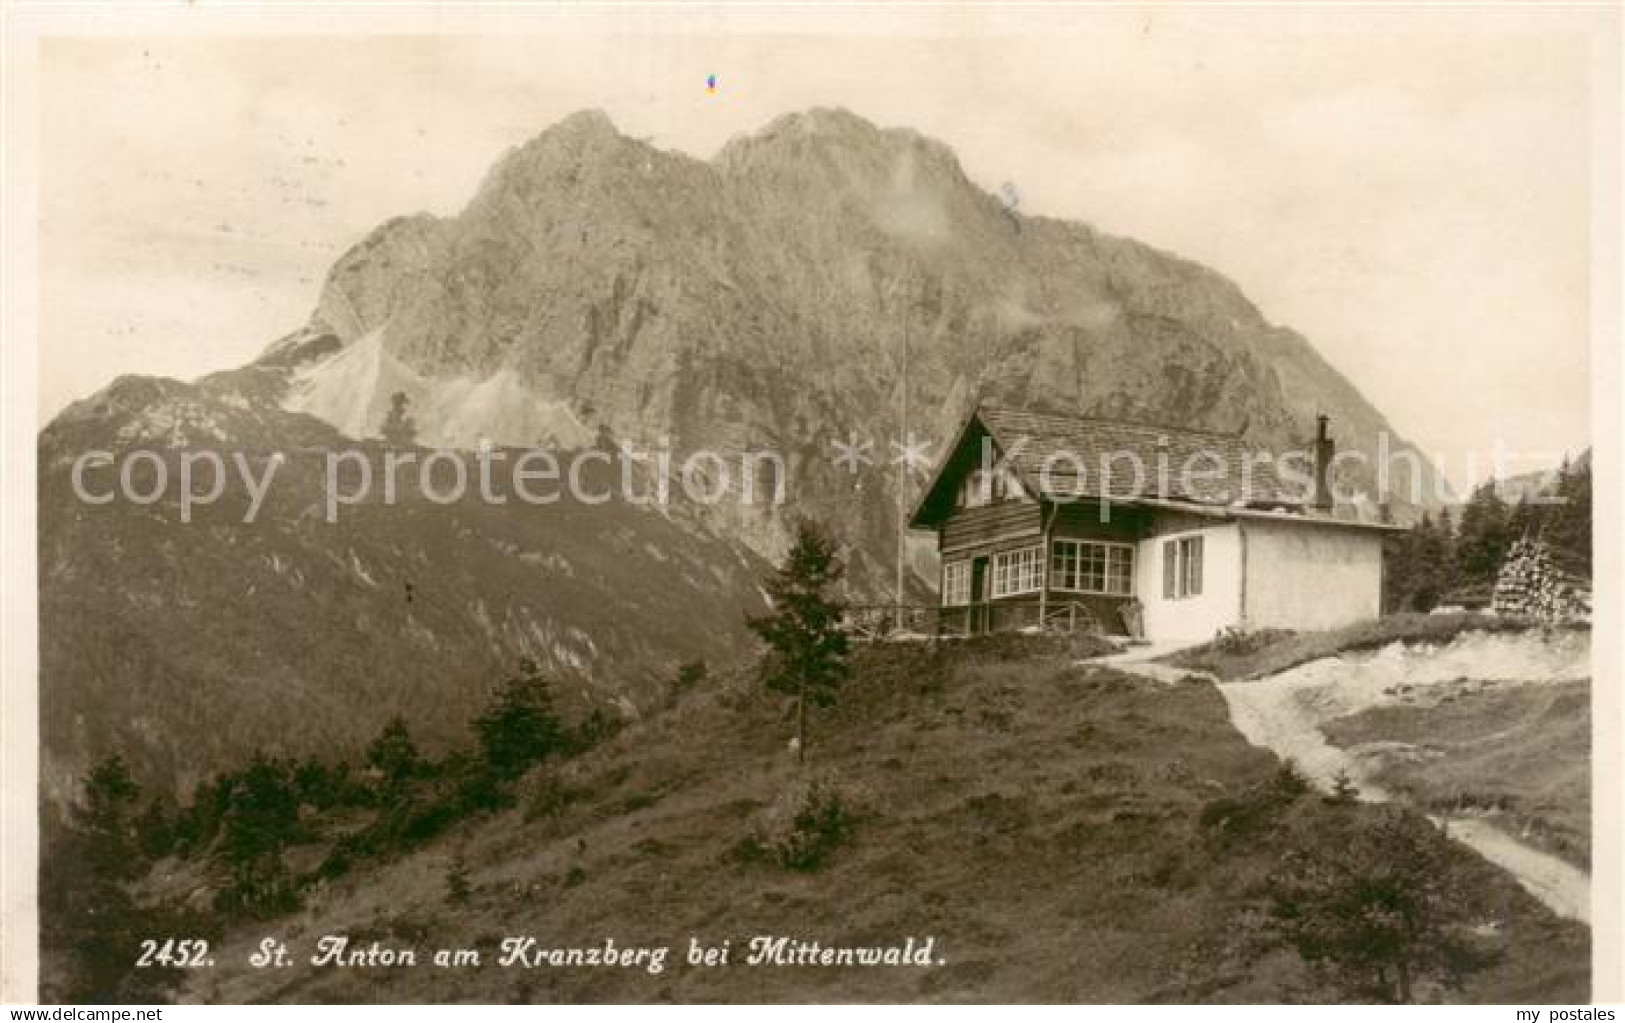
{"x": 1482, "y": 540}
{"x": 520, "y": 729}
{"x": 107, "y": 818}
{"x": 807, "y": 652}
{"x": 1568, "y": 522}
{"x": 399, "y": 430}
{"x": 1375, "y": 908}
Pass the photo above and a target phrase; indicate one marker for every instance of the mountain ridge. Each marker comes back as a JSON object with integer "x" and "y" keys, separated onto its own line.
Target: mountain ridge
{"x": 653, "y": 294}
{"x": 597, "y": 291}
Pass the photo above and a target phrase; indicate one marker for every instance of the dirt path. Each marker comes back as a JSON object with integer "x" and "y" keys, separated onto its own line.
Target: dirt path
{"x": 1141, "y": 660}
{"x": 1284, "y": 712}
{"x": 1268, "y": 714}
{"x": 1563, "y": 887}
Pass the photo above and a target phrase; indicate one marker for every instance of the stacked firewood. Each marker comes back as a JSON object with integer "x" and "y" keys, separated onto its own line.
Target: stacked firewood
{"x": 1532, "y": 583}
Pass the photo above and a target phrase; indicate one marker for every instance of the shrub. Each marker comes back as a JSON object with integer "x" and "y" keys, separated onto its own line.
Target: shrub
{"x": 154, "y": 830}
{"x": 393, "y": 754}
{"x": 1289, "y": 782}
{"x": 1343, "y": 788}
{"x": 107, "y": 815}
{"x": 1087, "y": 645}
{"x": 478, "y": 788}
{"x": 520, "y": 729}
{"x": 750, "y": 851}
{"x": 261, "y": 812}
{"x": 1375, "y": 906}
{"x": 595, "y": 728}
{"x": 1238, "y": 642}
{"x": 689, "y": 677}
{"x": 821, "y": 826}
{"x": 550, "y": 798}
{"x": 259, "y": 889}
{"x": 458, "y": 888}
{"x": 1230, "y": 819}
{"x": 328, "y": 786}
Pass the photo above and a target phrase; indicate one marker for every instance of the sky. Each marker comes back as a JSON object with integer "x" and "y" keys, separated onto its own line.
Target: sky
{"x": 1411, "y": 193}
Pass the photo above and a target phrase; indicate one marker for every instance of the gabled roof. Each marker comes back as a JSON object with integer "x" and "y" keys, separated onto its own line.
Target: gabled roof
{"x": 1035, "y": 439}
{"x": 1095, "y": 458}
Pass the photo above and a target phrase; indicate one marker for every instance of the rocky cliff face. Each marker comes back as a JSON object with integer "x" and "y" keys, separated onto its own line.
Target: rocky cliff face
{"x": 598, "y": 289}
{"x": 763, "y": 299}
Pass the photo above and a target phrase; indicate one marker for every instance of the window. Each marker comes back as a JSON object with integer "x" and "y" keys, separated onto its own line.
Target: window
{"x": 1182, "y": 568}
{"x": 1190, "y": 552}
{"x": 1086, "y": 566}
{"x": 982, "y": 487}
{"x": 1009, "y": 487}
{"x": 974, "y": 490}
{"x": 1017, "y": 571}
{"x": 955, "y": 583}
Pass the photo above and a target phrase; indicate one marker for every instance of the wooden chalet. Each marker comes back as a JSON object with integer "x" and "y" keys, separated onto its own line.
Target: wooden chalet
{"x": 1046, "y": 520}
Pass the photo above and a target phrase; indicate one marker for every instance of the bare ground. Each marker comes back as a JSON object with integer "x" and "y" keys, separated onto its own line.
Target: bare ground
{"x": 1362, "y": 713}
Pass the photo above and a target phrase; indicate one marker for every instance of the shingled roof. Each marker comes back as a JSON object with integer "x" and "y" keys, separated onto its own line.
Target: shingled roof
{"x": 1035, "y": 439}
{"x": 1091, "y": 457}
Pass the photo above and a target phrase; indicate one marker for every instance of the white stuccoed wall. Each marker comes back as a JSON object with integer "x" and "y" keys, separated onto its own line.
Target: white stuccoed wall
{"x": 1192, "y": 618}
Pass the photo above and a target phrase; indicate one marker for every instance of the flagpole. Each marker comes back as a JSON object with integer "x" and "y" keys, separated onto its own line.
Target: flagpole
{"x": 902, "y": 477}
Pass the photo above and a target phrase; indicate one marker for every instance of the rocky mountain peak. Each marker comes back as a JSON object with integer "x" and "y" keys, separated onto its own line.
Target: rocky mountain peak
{"x": 361, "y": 287}
{"x": 761, "y": 298}
{"x": 584, "y": 123}
{"x": 575, "y": 149}
{"x": 840, "y": 140}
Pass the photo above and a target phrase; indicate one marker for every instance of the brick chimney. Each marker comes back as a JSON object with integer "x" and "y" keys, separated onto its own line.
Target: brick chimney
{"x": 1325, "y": 449}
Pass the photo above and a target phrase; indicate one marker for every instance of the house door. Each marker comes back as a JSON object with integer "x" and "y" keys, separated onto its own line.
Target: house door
{"x": 978, "y": 611}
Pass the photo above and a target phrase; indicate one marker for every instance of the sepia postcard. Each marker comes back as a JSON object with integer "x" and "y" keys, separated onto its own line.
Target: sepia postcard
{"x": 1106, "y": 504}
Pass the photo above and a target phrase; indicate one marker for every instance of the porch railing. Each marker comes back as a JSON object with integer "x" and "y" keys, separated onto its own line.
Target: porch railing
{"x": 866, "y": 622}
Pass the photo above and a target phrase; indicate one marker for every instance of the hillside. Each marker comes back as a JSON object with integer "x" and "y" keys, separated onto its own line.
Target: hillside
{"x": 186, "y": 646}
{"x": 1481, "y": 721}
{"x": 1064, "y": 832}
{"x": 1542, "y": 483}
{"x": 1518, "y": 754}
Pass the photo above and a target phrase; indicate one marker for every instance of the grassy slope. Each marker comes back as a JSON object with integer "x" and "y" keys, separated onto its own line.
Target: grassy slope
{"x": 1038, "y": 818}
{"x": 1272, "y": 651}
{"x": 1520, "y": 752}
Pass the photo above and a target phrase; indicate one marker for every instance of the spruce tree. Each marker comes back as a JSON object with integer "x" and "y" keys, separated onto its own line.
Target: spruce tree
{"x": 107, "y": 817}
{"x": 520, "y": 729}
{"x": 1482, "y": 539}
{"x": 1376, "y": 907}
{"x": 807, "y": 651}
{"x": 399, "y": 429}
{"x": 1568, "y": 522}
{"x": 1418, "y": 567}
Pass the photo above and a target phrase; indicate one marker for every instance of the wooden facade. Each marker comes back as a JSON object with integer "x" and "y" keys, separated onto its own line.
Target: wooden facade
{"x": 977, "y": 536}
{"x": 990, "y": 525}
{"x": 1055, "y": 521}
